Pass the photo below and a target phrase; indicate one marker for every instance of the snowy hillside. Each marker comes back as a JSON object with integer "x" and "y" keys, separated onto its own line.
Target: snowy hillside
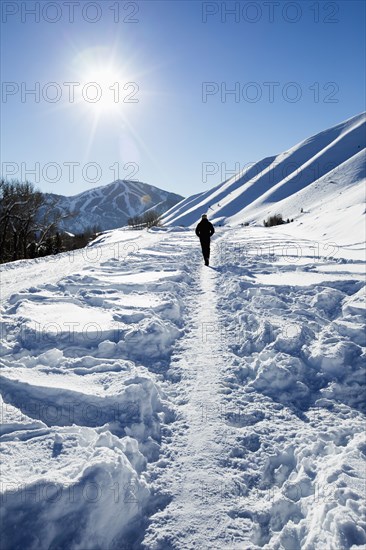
{"x": 322, "y": 175}
{"x": 110, "y": 206}
{"x": 150, "y": 402}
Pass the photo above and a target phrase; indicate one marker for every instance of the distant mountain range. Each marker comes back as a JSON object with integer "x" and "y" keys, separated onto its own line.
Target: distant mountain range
{"x": 324, "y": 174}
{"x": 110, "y": 206}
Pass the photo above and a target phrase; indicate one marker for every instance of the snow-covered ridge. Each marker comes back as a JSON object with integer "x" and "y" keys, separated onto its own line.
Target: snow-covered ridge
{"x": 324, "y": 172}
{"x": 110, "y": 206}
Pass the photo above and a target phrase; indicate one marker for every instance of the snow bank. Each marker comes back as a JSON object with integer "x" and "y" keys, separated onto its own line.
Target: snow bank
{"x": 68, "y": 487}
{"x": 81, "y": 406}
{"x": 294, "y": 394}
{"x": 153, "y": 338}
{"x": 125, "y": 402}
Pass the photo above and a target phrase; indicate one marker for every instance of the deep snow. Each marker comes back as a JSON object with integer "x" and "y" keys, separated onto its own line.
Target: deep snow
{"x": 151, "y": 402}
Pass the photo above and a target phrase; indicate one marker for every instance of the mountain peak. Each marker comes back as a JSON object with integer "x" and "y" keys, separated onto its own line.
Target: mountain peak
{"x": 109, "y": 206}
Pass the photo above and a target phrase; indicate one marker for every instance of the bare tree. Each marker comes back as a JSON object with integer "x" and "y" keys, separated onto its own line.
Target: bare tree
{"x": 151, "y": 218}
{"x": 25, "y": 217}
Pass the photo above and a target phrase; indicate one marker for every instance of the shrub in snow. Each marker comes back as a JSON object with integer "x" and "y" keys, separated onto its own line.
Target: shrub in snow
{"x": 276, "y": 219}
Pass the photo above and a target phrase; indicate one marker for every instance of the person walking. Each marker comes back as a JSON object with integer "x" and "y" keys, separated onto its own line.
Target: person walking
{"x": 204, "y": 231}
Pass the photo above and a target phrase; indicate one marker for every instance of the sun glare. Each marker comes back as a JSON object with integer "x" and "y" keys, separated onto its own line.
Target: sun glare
{"x": 106, "y": 86}
{"x": 102, "y": 87}
{"x": 103, "y": 81}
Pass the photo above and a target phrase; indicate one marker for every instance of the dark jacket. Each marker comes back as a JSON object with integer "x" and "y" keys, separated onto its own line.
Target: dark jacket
{"x": 205, "y": 230}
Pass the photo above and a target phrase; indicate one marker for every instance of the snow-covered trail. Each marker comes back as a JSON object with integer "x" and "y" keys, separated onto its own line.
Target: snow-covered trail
{"x": 166, "y": 405}
{"x": 194, "y": 519}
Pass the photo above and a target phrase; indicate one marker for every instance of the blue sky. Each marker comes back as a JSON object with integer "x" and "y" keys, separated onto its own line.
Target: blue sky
{"x": 296, "y": 68}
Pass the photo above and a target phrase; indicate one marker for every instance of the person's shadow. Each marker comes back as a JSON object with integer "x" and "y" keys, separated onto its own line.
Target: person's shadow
{"x": 56, "y": 450}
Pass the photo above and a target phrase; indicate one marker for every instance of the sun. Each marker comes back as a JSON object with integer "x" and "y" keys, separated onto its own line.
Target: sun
{"x": 102, "y": 81}
{"x": 101, "y": 88}
{"x": 105, "y": 92}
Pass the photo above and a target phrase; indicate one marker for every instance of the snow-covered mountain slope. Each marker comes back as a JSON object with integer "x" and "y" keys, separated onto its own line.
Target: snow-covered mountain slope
{"x": 322, "y": 175}
{"x": 110, "y": 206}
{"x": 149, "y": 402}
